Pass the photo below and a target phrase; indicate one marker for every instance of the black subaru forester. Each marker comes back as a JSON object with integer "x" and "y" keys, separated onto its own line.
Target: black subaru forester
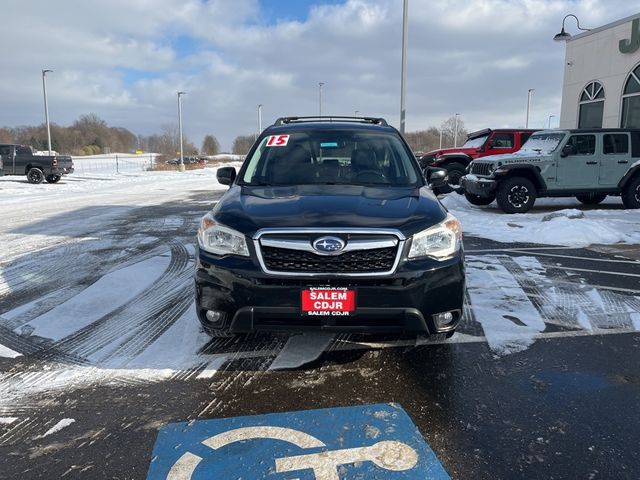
{"x": 329, "y": 225}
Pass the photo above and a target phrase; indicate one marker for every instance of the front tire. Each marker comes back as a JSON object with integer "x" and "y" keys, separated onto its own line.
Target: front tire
{"x": 478, "y": 200}
{"x": 631, "y": 193}
{"x": 516, "y": 195}
{"x": 53, "y": 178}
{"x": 35, "y": 175}
{"x": 455, "y": 172}
{"x": 591, "y": 198}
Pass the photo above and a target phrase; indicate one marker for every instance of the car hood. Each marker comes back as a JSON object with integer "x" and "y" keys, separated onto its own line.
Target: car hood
{"x": 249, "y": 209}
{"x": 516, "y": 157}
{"x": 449, "y": 151}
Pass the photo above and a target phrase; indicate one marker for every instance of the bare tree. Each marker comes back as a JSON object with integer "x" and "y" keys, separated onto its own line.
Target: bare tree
{"x": 242, "y": 144}
{"x": 89, "y": 134}
{"x": 210, "y": 145}
{"x": 6, "y": 136}
{"x": 423, "y": 140}
{"x": 448, "y": 132}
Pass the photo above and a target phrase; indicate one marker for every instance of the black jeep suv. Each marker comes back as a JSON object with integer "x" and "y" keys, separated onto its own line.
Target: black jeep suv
{"x": 329, "y": 225}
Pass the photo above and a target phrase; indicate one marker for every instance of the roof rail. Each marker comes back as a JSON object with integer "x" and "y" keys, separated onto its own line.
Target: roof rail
{"x": 372, "y": 120}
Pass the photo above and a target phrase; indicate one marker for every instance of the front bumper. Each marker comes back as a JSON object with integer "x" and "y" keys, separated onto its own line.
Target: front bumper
{"x": 481, "y": 187}
{"x": 403, "y": 302}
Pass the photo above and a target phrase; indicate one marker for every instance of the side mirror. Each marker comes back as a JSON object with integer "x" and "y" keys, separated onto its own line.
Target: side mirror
{"x": 436, "y": 177}
{"x": 568, "y": 150}
{"x": 226, "y": 175}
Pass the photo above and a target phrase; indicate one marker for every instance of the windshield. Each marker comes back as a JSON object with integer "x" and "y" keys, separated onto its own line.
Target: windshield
{"x": 475, "y": 142}
{"x": 541, "y": 143}
{"x": 331, "y": 157}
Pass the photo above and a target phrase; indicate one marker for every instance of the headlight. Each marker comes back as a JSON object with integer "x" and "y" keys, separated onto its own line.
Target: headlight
{"x": 216, "y": 238}
{"x": 440, "y": 241}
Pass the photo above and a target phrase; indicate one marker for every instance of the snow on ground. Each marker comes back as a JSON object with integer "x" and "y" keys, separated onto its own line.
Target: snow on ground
{"x": 6, "y": 352}
{"x": 607, "y": 223}
{"x": 128, "y": 313}
{"x": 123, "y": 188}
{"x": 508, "y": 318}
{"x": 65, "y": 422}
{"x": 302, "y": 349}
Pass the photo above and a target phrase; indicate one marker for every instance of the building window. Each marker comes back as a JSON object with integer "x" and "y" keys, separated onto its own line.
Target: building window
{"x": 591, "y": 106}
{"x": 631, "y": 101}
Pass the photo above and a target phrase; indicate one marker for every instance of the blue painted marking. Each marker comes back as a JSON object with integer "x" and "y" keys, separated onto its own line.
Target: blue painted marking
{"x": 364, "y": 442}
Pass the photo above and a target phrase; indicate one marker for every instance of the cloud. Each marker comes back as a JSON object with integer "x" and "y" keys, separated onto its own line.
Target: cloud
{"x": 126, "y": 59}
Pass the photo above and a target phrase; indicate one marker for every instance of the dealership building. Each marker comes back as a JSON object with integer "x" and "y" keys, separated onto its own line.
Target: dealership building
{"x": 602, "y": 76}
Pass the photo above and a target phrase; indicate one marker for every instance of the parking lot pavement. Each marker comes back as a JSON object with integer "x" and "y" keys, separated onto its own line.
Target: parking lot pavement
{"x": 101, "y": 351}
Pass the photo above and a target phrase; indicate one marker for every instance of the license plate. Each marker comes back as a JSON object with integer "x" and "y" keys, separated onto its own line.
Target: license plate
{"x": 328, "y": 302}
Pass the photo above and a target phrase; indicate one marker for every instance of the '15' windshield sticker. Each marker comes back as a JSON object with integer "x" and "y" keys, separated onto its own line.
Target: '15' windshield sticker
{"x": 277, "y": 140}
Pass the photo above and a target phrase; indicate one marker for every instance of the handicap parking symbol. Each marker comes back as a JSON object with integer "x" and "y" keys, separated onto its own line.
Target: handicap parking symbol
{"x": 350, "y": 443}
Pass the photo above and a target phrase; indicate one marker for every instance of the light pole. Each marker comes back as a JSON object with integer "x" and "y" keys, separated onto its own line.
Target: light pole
{"x": 320, "y": 85}
{"x": 259, "y": 119}
{"x": 46, "y": 108}
{"x": 440, "y": 137}
{"x": 528, "y": 106}
{"x": 355, "y": 114}
{"x": 550, "y": 117}
{"x": 181, "y": 167}
{"x": 403, "y": 81}
{"x": 455, "y": 134}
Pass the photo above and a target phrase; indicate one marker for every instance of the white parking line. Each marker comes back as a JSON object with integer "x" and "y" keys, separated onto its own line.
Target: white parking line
{"x": 527, "y": 249}
{"x": 606, "y": 272}
{"x": 607, "y": 260}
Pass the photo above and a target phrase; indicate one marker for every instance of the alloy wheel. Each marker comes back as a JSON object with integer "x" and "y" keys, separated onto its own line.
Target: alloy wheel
{"x": 518, "y": 196}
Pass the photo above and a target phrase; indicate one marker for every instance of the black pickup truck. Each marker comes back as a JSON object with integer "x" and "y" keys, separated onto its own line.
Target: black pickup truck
{"x": 20, "y": 160}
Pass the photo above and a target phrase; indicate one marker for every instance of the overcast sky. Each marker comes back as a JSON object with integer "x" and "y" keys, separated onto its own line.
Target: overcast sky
{"x": 124, "y": 60}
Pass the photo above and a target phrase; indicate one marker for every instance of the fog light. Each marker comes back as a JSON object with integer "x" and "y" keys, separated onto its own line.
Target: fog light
{"x": 443, "y": 319}
{"x": 214, "y": 316}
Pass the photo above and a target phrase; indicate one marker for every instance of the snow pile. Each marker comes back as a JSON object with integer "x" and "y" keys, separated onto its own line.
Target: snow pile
{"x": 302, "y": 349}
{"x": 552, "y": 221}
{"x": 6, "y": 352}
{"x": 568, "y": 213}
{"x": 65, "y": 422}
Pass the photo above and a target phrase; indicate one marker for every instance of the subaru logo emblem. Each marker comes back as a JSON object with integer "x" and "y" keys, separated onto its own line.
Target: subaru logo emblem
{"x": 328, "y": 245}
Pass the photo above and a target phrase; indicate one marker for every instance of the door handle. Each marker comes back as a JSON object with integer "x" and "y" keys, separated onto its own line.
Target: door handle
{"x": 592, "y": 163}
{"x": 623, "y": 161}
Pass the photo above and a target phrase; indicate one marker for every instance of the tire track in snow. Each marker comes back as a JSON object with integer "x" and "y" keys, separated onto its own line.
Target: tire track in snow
{"x": 19, "y": 431}
{"x": 90, "y": 263}
{"x": 155, "y": 322}
{"x": 571, "y": 307}
{"x": 247, "y": 370}
{"x": 124, "y": 321}
{"x": 37, "y": 272}
{"x": 469, "y": 325}
{"x": 539, "y": 290}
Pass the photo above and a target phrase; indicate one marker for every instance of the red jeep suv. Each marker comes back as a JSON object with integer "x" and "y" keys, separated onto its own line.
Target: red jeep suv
{"x": 479, "y": 144}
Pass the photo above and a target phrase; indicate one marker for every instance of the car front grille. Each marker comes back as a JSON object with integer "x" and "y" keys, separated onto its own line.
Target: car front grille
{"x": 480, "y": 169}
{"x": 291, "y": 253}
{"x": 364, "y": 261}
